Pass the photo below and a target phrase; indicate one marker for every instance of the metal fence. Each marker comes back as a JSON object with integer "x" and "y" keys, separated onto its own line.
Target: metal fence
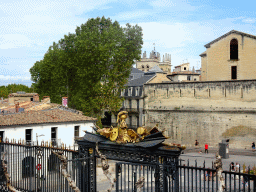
{"x": 199, "y": 178}
{"x": 37, "y": 168}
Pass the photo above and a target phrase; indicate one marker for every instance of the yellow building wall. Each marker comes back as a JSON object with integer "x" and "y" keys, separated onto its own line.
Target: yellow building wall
{"x": 217, "y": 64}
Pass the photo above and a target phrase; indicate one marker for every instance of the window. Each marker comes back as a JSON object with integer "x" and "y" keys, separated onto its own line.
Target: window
{"x": 53, "y": 163}
{"x": 147, "y": 67}
{"x": 138, "y": 121}
{"x": 233, "y": 49}
{"x": 138, "y": 104}
{"x": 195, "y": 79}
{"x": 137, "y": 91}
{"x": 54, "y": 136}
{"x": 130, "y": 117}
{"x": 31, "y": 99}
{"x": 142, "y": 66}
{"x": 28, "y": 166}
{"x": 233, "y": 72}
{"x": 28, "y": 136}
{"x": 130, "y": 104}
{"x": 185, "y": 68}
{"x": 122, "y": 92}
{"x": 76, "y": 133}
{"x": 130, "y": 92}
{"x": 188, "y": 77}
{"x": 1, "y": 136}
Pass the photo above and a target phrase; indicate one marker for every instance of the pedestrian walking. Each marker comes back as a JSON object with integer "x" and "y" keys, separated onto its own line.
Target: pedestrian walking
{"x": 232, "y": 167}
{"x": 196, "y": 144}
{"x": 206, "y": 148}
{"x": 237, "y": 167}
{"x": 253, "y": 146}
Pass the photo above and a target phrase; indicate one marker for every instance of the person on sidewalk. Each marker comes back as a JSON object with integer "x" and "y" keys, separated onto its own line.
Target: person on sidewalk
{"x": 206, "y": 148}
{"x": 253, "y": 146}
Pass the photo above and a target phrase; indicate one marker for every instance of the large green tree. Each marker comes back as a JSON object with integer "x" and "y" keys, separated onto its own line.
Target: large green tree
{"x": 89, "y": 65}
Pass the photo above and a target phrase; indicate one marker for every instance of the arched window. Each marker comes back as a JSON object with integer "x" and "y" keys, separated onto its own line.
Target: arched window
{"x": 53, "y": 163}
{"x": 28, "y": 167}
{"x": 147, "y": 66}
{"x": 233, "y": 49}
{"x": 142, "y": 66}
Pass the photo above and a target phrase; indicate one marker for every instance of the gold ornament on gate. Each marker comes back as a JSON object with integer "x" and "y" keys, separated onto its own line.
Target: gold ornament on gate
{"x": 121, "y": 133}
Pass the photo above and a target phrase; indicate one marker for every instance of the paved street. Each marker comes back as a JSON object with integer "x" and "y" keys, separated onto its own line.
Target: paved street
{"x": 236, "y": 155}
{"x": 248, "y": 157}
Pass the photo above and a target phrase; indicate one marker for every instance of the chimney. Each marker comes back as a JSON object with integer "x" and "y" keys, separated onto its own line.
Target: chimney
{"x": 65, "y": 101}
{"x": 17, "y": 107}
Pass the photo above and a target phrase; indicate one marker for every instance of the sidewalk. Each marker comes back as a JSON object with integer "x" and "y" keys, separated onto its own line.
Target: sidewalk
{"x": 242, "y": 152}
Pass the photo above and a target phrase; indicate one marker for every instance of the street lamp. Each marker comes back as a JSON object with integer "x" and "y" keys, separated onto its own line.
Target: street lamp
{"x": 38, "y": 136}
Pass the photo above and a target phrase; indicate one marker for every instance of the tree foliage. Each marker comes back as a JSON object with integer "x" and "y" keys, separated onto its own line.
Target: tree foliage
{"x": 88, "y": 65}
{"x": 13, "y": 88}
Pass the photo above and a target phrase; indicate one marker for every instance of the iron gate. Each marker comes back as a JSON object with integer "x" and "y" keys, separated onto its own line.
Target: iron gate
{"x": 129, "y": 174}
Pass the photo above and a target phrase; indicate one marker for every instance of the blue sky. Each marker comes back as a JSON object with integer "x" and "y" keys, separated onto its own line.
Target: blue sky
{"x": 180, "y": 28}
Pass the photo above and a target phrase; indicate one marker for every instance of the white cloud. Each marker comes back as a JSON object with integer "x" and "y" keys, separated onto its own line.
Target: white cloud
{"x": 9, "y": 41}
{"x": 8, "y": 77}
{"x": 173, "y": 4}
{"x": 162, "y": 3}
{"x": 249, "y": 20}
{"x": 132, "y": 14}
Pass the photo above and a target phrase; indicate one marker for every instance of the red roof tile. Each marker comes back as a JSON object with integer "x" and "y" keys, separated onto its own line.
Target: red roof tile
{"x": 37, "y": 117}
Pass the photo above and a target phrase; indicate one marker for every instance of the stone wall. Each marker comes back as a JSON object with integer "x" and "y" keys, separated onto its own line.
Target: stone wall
{"x": 207, "y": 127}
{"x": 202, "y": 110}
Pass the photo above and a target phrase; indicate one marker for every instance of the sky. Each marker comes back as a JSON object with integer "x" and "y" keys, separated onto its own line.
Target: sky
{"x": 179, "y": 27}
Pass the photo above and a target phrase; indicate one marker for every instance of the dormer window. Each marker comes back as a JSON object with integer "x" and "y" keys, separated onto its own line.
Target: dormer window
{"x": 137, "y": 91}
{"x": 233, "y": 49}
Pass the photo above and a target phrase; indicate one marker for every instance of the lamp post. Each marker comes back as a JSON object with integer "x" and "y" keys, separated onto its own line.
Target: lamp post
{"x": 38, "y": 136}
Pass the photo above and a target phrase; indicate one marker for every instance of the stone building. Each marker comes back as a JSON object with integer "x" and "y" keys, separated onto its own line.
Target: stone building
{"x": 229, "y": 57}
{"x": 22, "y": 96}
{"x": 145, "y": 64}
{"x": 134, "y": 100}
{"x": 182, "y": 73}
{"x": 208, "y": 111}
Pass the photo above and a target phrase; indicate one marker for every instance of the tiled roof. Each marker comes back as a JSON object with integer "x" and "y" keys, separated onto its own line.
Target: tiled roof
{"x": 22, "y": 94}
{"x": 159, "y": 78}
{"x": 181, "y": 65}
{"x": 230, "y": 32}
{"x": 141, "y": 81}
{"x": 183, "y": 73}
{"x": 38, "y": 117}
{"x": 135, "y": 70}
{"x": 156, "y": 69}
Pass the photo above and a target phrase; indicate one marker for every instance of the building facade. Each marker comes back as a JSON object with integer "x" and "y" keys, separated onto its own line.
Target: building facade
{"x": 134, "y": 101}
{"x": 145, "y": 64}
{"x": 55, "y": 126}
{"x": 230, "y": 57}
